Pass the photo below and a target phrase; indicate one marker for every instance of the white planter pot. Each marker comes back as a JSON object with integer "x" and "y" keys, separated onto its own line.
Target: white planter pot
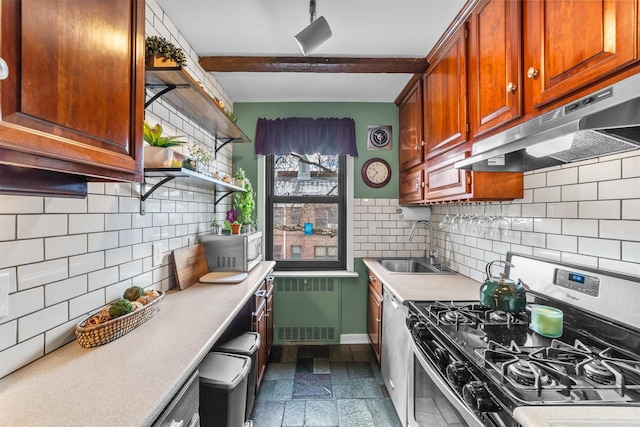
{"x": 157, "y": 157}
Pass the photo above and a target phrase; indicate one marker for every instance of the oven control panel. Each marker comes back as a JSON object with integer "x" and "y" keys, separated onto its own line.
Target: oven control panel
{"x": 578, "y": 282}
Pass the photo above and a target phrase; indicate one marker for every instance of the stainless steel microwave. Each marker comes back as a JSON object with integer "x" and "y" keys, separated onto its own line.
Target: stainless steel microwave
{"x": 233, "y": 252}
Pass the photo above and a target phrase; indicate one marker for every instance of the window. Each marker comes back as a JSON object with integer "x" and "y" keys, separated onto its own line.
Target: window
{"x": 305, "y": 213}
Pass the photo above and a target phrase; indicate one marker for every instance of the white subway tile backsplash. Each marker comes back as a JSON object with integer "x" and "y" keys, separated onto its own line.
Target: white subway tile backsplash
{"x": 562, "y": 177}
{"x": 631, "y": 252}
{"x": 130, "y": 269}
{"x": 22, "y": 354}
{"x": 40, "y": 321}
{"x": 59, "y": 247}
{"x": 621, "y": 189}
{"x": 117, "y": 222}
{"x": 631, "y": 209}
{"x": 573, "y": 258}
{"x": 25, "y": 302}
{"x": 599, "y": 247}
{"x": 86, "y": 223}
{"x": 86, "y": 303}
{"x": 8, "y": 334}
{"x": 38, "y": 274}
{"x": 60, "y": 335}
{"x": 21, "y": 205}
{"x": 98, "y": 203}
{"x": 604, "y": 209}
{"x": 580, "y": 192}
{"x": 604, "y": 171}
{"x": 103, "y": 278}
{"x": 129, "y": 237}
{"x": 547, "y": 194}
{"x": 117, "y": 256}
{"x": 547, "y": 225}
{"x": 19, "y": 252}
{"x": 63, "y": 205}
{"x": 631, "y": 167}
{"x": 7, "y": 227}
{"x": 534, "y": 210}
{"x": 64, "y": 290}
{"x": 102, "y": 241}
{"x": 32, "y": 226}
{"x": 620, "y": 230}
{"x": 536, "y": 180}
{"x": 82, "y": 264}
{"x": 562, "y": 210}
{"x": 562, "y": 243}
{"x": 580, "y": 227}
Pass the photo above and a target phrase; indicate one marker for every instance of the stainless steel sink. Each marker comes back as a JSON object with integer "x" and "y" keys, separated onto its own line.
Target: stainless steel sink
{"x": 412, "y": 266}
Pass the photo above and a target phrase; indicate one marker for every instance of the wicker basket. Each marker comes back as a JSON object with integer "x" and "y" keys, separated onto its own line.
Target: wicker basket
{"x": 104, "y": 333}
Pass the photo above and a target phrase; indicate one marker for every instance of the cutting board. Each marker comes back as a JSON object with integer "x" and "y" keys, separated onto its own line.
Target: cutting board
{"x": 190, "y": 265}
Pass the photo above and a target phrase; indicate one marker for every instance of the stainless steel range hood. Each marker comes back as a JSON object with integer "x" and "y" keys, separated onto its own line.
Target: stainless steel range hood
{"x": 605, "y": 122}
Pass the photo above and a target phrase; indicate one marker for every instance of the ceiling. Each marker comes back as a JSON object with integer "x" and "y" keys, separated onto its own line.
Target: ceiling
{"x": 361, "y": 29}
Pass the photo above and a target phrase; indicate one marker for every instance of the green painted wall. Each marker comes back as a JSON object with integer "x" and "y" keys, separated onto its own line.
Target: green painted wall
{"x": 353, "y": 298}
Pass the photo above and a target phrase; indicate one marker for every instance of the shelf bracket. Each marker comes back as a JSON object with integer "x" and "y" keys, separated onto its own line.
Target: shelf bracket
{"x": 144, "y": 195}
{"x": 165, "y": 88}
{"x": 219, "y": 199}
{"x": 224, "y": 142}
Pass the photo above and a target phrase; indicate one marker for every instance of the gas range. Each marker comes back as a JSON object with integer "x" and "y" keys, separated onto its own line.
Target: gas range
{"x": 494, "y": 362}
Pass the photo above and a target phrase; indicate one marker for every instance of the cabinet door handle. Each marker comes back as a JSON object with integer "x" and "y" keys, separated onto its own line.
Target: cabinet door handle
{"x": 511, "y": 88}
{"x": 4, "y": 69}
{"x": 532, "y": 73}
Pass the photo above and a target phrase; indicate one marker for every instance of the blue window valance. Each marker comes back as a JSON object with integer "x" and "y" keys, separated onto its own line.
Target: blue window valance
{"x": 303, "y": 135}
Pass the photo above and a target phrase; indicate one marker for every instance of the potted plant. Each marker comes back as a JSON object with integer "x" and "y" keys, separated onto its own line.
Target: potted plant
{"x": 215, "y": 226}
{"x": 203, "y": 159}
{"x": 239, "y": 177}
{"x": 162, "y": 53}
{"x": 156, "y": 149}
{"x": 244, "y": 203}
{"x": 231, "y": 221}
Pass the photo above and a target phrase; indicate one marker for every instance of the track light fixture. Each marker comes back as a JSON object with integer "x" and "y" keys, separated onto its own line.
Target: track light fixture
{"x": 316, "y": 33}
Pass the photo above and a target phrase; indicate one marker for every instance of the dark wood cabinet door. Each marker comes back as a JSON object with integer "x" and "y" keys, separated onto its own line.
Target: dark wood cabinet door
{"x": 443, "y": 181}
{"x": 410, "y": 120}
{"x": 374, "y": 320}
{"x": 572, "y": 44}
{"x": 269, "y": 325}
{"x": 412, "y": 185}
{"x": 495, "y": 64}
{"x": 445, "y": 97}
{"x": 73, "y": 101}
{"x": 259, "y": 325}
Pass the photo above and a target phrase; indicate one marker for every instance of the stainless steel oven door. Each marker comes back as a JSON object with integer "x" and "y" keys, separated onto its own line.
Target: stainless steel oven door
{"x": 431, "y": 402}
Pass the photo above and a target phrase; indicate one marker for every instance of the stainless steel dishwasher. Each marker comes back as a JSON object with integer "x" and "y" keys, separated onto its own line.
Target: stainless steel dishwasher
{"x": 396, "y": 345}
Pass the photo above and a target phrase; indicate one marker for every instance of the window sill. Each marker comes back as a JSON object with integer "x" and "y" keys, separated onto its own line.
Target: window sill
{"x": 329, "y": 273}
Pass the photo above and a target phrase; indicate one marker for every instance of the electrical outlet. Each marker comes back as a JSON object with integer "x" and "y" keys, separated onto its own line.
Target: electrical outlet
{"x": 4, "y": 295}
{"x": 156, "y": 248}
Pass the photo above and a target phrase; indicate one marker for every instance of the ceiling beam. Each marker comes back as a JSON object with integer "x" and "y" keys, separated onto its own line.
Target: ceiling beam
{"x": 295, "y": 64}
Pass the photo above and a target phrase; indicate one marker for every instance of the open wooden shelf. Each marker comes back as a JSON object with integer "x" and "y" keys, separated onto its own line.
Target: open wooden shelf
{"x": 179, "y": 89}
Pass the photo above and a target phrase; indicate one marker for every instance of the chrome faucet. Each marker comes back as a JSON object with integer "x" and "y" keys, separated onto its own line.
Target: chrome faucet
{"x": 432, "y": 249}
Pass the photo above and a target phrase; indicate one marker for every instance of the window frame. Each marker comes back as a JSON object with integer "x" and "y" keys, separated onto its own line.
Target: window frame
{"x": 341, "y": 200}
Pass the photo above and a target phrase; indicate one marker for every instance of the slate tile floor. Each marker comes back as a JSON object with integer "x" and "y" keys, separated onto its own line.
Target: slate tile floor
{"x": 323, "y": 385}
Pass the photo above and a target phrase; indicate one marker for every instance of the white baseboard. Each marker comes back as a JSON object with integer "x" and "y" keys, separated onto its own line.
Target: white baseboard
{"x": 354, "y": 339}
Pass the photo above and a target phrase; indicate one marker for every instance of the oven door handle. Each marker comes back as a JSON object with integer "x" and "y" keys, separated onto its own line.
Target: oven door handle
{"x": 469, "y": 416}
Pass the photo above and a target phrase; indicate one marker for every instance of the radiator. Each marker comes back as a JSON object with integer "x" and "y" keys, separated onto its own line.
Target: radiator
{"x": 306, "y": 310}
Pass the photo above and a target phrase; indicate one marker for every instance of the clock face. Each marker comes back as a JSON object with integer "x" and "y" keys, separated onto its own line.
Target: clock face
{"x": 376, "y": 173}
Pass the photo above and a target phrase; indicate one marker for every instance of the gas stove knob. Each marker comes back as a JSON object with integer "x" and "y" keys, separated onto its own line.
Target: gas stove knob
{"x": 442, "y": 358}
{"x": 411, "y": 320}
{"x": 458, "y": 374}
{"x": 477, "y": 396}
{"x": 420, "y": 331}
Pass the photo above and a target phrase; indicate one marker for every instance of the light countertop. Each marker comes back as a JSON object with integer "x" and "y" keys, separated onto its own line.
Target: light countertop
{"x": 426, "y": 287}
{"x": 129, "y": 381}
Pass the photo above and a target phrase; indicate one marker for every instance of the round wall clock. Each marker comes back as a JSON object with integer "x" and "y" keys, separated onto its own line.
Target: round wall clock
{"x": 376, "y": 172}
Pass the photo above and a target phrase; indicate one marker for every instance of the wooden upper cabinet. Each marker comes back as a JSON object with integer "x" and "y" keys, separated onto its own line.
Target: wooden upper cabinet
{"x": 412, "y": 185}
{"x": 74, "y": 98}
{"x": 572, "y": 44}
{"x": 410, "y": 120}
{"x": 495, "y": 64}
{"x": 445, "y": 96}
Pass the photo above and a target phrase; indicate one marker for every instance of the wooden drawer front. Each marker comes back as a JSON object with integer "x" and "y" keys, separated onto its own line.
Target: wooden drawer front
{"x": 444, "y": 181}
{"x": 412, "y": 186}
{"x": 375, "y": 283}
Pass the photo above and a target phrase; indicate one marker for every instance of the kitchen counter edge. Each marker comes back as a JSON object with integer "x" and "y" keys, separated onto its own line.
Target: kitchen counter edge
{"x": 129, "y": 381}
